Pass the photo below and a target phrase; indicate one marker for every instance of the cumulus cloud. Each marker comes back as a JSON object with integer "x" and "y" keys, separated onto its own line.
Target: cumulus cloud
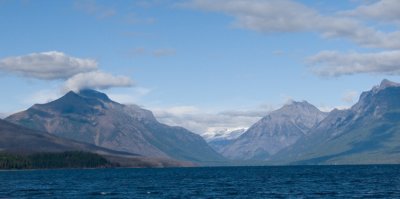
{"x": 47, "y": 65}
{"x": 360, "y": 25}
{"x": 200, "y": 121}
{"x": 96, "y": 80}
{"x": 331, "y": 108}
{"x": 266, "y": 16}
{"x": 78, "y": 73}
{"x": 384, "y": 10}
{"x": 332, "y": 63}
{"x": 350, "y": 96}
{"x": 43, "y": 96}
{"x": 290, "y": 16}
{"x": 131, "y": 96}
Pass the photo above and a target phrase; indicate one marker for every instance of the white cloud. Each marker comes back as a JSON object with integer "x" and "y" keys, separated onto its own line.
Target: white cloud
{"x": 179, "y": 110}
{"x": 79, "y": 73}
{"x": 265, "y": 16}
{"x": 332, "y": 63}
{"x": 246, "y": 113}
{"x": 43, "y": 96}
{"x": 96, "y": 80}
{"x": 331, "y": 108}
{"x": 47, "y": 65}
{"x": 131, "y": 96}
{"x": 384, "y": 10}
{"x": 201, "y": 121}
{"x": 290, "y": 16}
{"x": 350, "y": 96}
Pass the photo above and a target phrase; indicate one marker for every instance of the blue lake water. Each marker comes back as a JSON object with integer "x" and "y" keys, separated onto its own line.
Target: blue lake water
{"x": 217, "y": 182}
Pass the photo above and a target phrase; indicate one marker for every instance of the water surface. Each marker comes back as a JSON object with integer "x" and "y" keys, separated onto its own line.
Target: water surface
{"x": 218, "y": 182}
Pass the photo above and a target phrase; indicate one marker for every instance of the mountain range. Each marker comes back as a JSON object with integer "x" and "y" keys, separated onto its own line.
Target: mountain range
{"x": 367, "y": 133}
{"x": 221, "y": 138}
{"x": 277, "y": 130}
{"x": 15, "y": 139}
{"x": 91, "y": 117}
{"x": 297, "y": 133}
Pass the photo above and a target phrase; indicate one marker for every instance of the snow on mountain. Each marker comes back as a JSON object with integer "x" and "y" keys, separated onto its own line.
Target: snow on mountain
{"x": 223, "y": 134}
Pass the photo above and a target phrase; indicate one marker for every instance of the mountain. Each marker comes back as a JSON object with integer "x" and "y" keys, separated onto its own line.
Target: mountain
{"x": 90, "y": 116}
{"x": 19, "y": 140}
{"x": 221, "y": 138}
{"x": 367, "y": 133}
{"x": 274, "y": 132}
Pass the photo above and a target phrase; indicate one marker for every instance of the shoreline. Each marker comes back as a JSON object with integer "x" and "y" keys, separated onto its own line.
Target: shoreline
{"x": 271, "y": 166}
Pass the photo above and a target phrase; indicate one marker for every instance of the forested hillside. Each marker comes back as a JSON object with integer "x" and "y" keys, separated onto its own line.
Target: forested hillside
{"x": 73, "y": 159}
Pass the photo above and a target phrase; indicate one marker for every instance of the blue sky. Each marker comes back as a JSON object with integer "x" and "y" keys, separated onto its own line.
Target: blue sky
{"x": 202, "y": 64}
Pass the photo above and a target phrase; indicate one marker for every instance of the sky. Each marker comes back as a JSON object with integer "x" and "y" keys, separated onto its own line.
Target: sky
{"x": 206, "y": 65}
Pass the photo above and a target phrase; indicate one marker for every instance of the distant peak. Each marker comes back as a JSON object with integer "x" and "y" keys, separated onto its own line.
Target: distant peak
{"x": 70, "y": 94}
{"x": 89, "y": 93}
{"x": 297, "y": 107}
{"x": 385, "y": 84}
{"x": 289, "y": 102}
{"x": 297, "y": 103}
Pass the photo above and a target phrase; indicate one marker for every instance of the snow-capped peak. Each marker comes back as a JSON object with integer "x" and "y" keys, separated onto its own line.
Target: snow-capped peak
{"x": 223, "y": 133}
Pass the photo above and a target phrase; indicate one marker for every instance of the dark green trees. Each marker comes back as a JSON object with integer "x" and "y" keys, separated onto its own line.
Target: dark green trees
{"x": 73, "y": 159}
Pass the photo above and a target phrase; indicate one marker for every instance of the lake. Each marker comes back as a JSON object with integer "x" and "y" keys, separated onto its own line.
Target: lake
{"x": 374, "y": 181}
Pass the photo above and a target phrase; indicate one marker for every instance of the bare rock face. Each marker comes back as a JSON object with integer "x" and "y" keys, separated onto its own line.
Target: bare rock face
{"x": 274, "y": 132}
{"x": 90, "y": 116}
{"x": 19, "y": 140}
{"x": 367, "y": 133}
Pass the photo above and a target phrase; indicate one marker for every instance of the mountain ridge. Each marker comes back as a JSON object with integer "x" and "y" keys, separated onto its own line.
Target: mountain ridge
{"x": 18, "y": 140}
{"x": 368, "y": 132}
{"x": 90, "y": 116}
{"x": 220, "y": 139}
{"x": 297, "y": 133}
{"x": 275, "y": 131}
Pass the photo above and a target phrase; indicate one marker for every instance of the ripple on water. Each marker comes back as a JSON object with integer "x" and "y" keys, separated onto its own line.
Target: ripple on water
{"x": 225, "y": 182}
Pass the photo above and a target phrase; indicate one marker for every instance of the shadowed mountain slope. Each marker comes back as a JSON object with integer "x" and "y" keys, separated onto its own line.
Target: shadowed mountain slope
{"x": 90, "y": 116}
{"x": 367, "y": 133}
{"x": 274, "y": 132}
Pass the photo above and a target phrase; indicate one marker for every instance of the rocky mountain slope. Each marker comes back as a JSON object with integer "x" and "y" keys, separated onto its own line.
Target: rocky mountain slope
{"x": 368, "y": 132}
{"x": 14, "y": 138}
{"x": 274, "y": 132}
{"x": 90, "y": 116}
{"x": 19, "y": 140}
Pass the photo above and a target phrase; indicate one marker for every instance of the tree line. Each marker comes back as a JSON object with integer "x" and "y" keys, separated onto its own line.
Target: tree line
{"x": 70, "y": 159}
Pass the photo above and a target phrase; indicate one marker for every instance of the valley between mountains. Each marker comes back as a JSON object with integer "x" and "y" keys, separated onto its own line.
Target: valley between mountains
{"x": 297, "y": 133}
